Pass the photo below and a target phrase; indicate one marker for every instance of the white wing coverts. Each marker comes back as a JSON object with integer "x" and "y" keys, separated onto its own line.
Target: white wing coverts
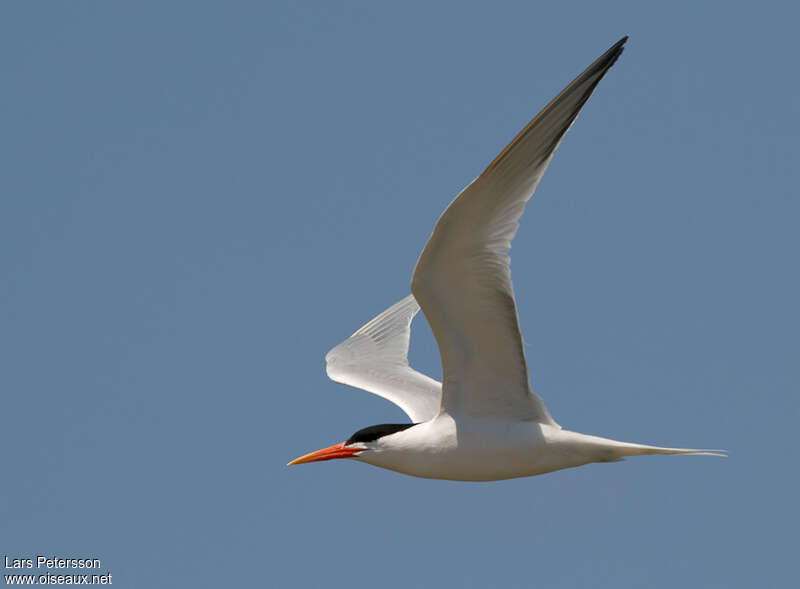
{"x": 375, "y": 358}
{"x": 463, "y": 277}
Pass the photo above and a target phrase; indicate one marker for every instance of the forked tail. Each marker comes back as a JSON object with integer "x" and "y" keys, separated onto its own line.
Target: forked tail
{"x": 598, "y": 449}
{"x": 622, "y": 449}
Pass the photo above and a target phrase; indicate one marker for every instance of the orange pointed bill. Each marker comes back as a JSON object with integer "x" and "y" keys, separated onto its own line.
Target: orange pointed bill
{"x": 336, "y": 451}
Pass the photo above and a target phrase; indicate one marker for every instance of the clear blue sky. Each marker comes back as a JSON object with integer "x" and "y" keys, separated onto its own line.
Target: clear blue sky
{"x": 200, "y": 199}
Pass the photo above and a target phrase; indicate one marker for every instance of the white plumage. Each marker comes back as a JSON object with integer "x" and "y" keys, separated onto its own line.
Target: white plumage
{"x": 484, "y": 423}
{"x": 375, "y": 358}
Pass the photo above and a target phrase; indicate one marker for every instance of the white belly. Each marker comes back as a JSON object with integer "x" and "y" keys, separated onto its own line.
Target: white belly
{"x": 483, "y": 450}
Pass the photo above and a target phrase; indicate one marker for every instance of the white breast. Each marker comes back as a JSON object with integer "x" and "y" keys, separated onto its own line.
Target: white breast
{"x": 479, "y": 449}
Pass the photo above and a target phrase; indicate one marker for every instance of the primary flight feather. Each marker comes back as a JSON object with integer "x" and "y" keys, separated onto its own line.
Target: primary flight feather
{"x": 483, "y": 422}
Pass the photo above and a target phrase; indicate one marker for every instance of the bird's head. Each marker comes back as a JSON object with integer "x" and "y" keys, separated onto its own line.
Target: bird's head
{"x": 364, "y": 440}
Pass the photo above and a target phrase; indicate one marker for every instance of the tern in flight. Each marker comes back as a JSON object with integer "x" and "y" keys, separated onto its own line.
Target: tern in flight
{"x": 482, "y": 423}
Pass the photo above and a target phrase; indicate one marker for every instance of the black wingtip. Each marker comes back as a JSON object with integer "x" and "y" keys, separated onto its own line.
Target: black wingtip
{"x": 577, "y": 93}
{"x": 604, "y": 62}
{"x": 616, "y": 49}
{"x": 618, "y": 45}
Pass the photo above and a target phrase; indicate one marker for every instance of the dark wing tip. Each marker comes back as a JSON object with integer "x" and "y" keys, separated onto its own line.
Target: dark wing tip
{"x": 592, "y": 74}
{"x": 605, "y": 61}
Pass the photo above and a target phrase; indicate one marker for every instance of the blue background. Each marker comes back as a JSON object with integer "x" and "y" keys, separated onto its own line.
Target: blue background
{"x": 200, "y": 199}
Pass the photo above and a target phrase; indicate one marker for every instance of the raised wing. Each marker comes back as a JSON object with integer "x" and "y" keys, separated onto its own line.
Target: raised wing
{"x": 463, "y": 277}
{"x": 375, "y": 358}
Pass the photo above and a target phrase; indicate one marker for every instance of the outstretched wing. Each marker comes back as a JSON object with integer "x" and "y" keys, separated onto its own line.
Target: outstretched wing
{"x": 463, "y": 277}
{"x": 375, "y": 358}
